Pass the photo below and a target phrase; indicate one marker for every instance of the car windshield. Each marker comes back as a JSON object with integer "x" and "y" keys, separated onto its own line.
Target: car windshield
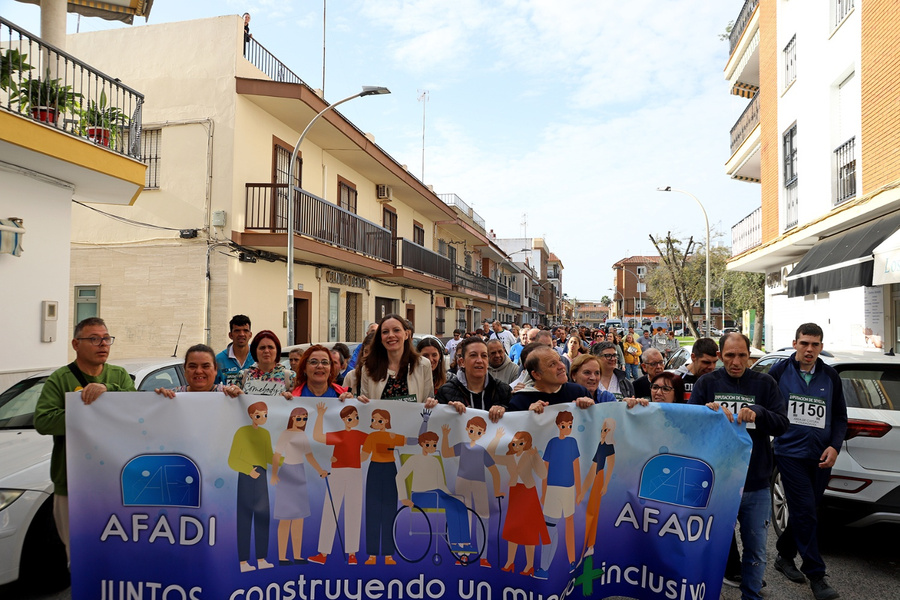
{"x": 18, "y": 402}
{"x": 872, "y": 387}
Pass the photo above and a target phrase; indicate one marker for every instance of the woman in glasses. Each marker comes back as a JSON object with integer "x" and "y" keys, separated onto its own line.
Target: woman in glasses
{"x": 315, "y": 377}
{"x": 292, "y": 496}
{"x": 612, "y": 379}
{"x": 664, "y": 387}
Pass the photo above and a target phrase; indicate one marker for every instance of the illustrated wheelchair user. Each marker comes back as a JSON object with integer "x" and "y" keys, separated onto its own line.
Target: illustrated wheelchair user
{"x": 423, "y": 493}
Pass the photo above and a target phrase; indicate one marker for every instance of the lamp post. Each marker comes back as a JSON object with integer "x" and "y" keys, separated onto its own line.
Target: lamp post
{"x": 669, "y": 188}
{"x": 368, "y": 90}
{"x": 615, "y": 291}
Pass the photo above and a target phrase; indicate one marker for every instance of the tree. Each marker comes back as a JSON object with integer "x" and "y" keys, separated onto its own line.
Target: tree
{"x": 679, "y": 281}
{"x": 747, "y": 291}
{"x": 605, "y": 301}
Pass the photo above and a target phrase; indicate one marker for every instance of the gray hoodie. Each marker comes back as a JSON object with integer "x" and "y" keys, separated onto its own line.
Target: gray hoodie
{"x": 507, "y": 372}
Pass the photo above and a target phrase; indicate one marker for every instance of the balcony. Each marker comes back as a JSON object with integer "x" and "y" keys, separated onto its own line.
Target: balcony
{"x": 43, "y": 83}
{"x": 515, "y": 297}
{"x": 463, "y": 277}
{"x": 266, "y": 62}
{"x": 315, "y": 218}
{"x": 746, "y": 123}
{"x": 456, "y": 201}
{"x": 417, "y": 258}
{"x": 747, "y": 233}
{"x": 741, "y": 23}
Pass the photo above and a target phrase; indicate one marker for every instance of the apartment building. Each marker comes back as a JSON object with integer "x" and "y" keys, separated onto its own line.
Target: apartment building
{"x": 818, "y": 136}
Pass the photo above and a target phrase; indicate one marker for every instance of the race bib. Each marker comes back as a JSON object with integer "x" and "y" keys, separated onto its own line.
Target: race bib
{"x": 808, "y": 411}
{"x": 735, "y": 402}
{"x": 407, "y": 398}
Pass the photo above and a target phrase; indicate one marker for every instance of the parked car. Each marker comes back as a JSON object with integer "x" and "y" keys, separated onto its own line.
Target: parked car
{"x": 29, "y": 545}
{"x": 682, "y": 356}
{"x": 864, "y": 488}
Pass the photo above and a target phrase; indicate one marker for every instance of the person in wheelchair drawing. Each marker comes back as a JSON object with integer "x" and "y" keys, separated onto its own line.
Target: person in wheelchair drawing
{"x": 421, "y": 487}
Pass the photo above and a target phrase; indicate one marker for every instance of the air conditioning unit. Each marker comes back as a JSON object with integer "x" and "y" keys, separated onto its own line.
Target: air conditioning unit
{"x": 384, "y": 193}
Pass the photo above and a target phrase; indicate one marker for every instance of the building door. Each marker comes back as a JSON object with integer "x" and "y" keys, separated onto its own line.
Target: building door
{"x": 411, "y": 314}
{"x": 302, "y": 318}
{"x": 334, "y": 301}
{"x": 383, "y": 307}
{"x": 353, "y": 318}
{"x": 389, "y": 221}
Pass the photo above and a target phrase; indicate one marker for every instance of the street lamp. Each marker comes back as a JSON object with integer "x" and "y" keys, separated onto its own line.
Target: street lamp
{"x": 368, "y": 90}
{"x": 615, "y": 291}
{"x": 668, "y": 188}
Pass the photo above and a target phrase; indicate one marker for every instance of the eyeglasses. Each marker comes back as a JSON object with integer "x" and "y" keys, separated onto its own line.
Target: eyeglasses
{"x": 664, "y": 388}
{"x": 610, "y": 356}
{"x": 301, "y": 418}
{"x": 658, "y": 363}
{"x": 316, "y": 362}
{"x": 97, "y": 341}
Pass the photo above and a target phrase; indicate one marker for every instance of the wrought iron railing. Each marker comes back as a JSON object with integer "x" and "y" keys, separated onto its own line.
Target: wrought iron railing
{"x": 467, "y": 279}
{"x": 418, "y": 258}
{"x": 266, "y": 62}
{"x": 745, "y": 124}
{"x": 515, "y": 297}
{"x": 740, "y": 24}
{"x": 315, "y": 218}
{"x": 454, "y": 200}
{"x": 790, "y": 61}
{"x": 747, "y": 233}
{"x": 845, "y": 169}
{"x": 791, "y": 205}
{"x": 841, "y": 9}
{"x": 48, "y": 85}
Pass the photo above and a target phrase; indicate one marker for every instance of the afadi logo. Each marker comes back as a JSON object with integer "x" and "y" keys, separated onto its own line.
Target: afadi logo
{"x": 161, "y": 480}
{"x": 678, "y": 480}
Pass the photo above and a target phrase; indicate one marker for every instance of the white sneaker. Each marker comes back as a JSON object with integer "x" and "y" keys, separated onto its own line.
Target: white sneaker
{"x": 264, "y": 564}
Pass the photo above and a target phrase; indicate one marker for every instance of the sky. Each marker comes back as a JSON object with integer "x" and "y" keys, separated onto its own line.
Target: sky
{"x": 551, "y": 118}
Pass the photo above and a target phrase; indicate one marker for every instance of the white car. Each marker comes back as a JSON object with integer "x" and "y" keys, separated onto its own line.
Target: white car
{"x": 29, "y": 546}
{"x": 865, "y": 481}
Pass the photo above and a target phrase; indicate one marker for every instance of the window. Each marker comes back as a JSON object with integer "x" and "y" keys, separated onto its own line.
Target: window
{"x": 642, "y": 288}
{"x": 87, "y": 302}
{"x": 791, "y": 200}
{"x": 845, "y": 168}
{"x": 439, "y": 327}
{"x": 418, "y": 233}
{"x": 346, "y": 195}
{"x": 641, "y": 272}
{"x": 641, "y": 304}
{"x": 790, "y": 61}
{"x": 389, "y": 222}
{"x": 281, "y": 163}
{"x": 167, "y": 378}
{"x": 151, "y": 140}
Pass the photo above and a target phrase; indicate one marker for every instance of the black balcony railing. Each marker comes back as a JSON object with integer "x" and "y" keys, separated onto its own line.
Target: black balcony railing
{"x": 266, "y": 62}
{"x": 745, "y": 124}
{"x": 515, "y": 297}
{"x": 266, "y": 206}
{"x": 415, "y": 257}
{"x": 467, "y": 279}
{"x": 845, "y": 168}
{"x": 43, "y": 83}
{"x": 740, "y": 24}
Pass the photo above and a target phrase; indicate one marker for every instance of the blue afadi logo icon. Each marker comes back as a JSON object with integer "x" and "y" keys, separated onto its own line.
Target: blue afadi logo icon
{"x": 677, "y": 480}
{"x": 161, "y": 480}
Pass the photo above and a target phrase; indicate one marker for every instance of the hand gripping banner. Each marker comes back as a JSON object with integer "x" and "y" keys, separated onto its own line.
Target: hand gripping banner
{"x": 260, "y": 498}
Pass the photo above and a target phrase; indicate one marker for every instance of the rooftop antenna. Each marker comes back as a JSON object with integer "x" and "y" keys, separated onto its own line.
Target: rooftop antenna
{"x": 524, "y": 225}
{"x": 423, "y": 98}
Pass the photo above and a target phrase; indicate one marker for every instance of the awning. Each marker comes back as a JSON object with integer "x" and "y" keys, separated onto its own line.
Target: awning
{"x": 460, "y": 305}
{"x": 111, "y": 10}
{"x": 842, "y": 261}
{"x": 887, "y": 261}
{"x": 439, "y": 302}
{"x": 744, "y": 90}
{"x": 11, "y": 234}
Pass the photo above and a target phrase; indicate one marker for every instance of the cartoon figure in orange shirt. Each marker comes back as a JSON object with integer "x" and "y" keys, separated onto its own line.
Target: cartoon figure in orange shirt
{"x": 381, "y": 498}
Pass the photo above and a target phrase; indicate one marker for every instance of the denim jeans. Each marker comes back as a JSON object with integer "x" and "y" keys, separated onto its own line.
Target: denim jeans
{"x": 632, "y": 371}
{"x": 753, "y": 518}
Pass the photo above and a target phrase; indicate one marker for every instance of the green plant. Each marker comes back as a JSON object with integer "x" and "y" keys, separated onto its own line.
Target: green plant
{"x": 34, "y": 92}
{"x": 98, "y": 115}
{"x": 12, "y": 62}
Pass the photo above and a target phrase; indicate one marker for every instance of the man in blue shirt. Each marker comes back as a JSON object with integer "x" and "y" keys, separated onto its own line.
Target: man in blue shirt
{"x": 805, "y": 454}
{"x": 236, "y": 356}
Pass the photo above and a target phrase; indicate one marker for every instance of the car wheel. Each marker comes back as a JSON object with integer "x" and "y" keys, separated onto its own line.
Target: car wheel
{"x": 44, "y": 561}
{"x": 779, "y": 504}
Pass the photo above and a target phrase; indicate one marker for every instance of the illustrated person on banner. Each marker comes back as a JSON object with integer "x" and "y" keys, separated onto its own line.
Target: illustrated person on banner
{"x": 344, "y": 486}
{"x": 471, "y": 482}
{"x": 251, "y": 451}
{"x": 381, "y": 499}
{"x": 524, "y": 518}
{"x": 560, "y": 488}
{"x": 292, "y": 495}
{"x": 596, "y": 483}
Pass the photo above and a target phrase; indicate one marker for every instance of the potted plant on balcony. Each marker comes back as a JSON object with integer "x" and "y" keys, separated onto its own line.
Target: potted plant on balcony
{"x": 101, "y": 123}
{"x": 12, "y": 62}
{"x": 46, "y": 97}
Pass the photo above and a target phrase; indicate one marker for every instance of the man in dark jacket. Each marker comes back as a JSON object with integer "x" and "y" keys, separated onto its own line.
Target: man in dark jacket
{"x": 550, "y": 384}
{"x": 805, "y": 454}
{"x": 473, "y": 386}
{"x": 752, "y": 398}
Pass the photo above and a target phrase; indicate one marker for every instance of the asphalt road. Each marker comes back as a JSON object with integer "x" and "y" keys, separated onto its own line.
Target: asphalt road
{"x": 863, "y": 564}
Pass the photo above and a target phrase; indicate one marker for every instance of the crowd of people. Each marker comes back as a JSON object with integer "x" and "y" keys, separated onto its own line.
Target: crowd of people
{"x": 496, "y": 370}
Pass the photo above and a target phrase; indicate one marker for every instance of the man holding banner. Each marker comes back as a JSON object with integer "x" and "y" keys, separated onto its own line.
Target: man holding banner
{"x": 754, "y": 398}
